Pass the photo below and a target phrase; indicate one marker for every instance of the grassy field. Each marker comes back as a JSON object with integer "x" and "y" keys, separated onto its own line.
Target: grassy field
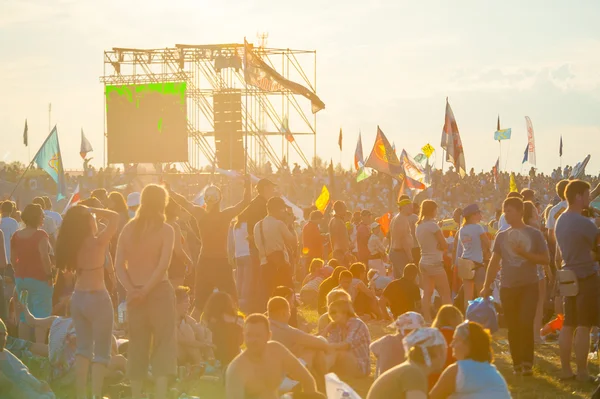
{"x": 543, "y": 384}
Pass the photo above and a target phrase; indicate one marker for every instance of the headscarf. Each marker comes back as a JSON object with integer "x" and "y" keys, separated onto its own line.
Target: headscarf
{"x": 408, "y": 321}
{"x": 424, "y": 338}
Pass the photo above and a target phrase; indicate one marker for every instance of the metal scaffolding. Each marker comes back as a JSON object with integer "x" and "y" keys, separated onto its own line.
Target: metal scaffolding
{"x": 208, "y": 69}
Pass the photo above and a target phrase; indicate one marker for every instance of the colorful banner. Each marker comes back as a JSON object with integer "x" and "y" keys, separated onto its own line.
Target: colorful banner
{"x": 257, "y": 73}
{"x": 323, "y": 200}
{"x": 428, "y": 150}
{"x": 452, "y": 143}
{"x": 383, "y": 158}
{"x": 49, "y": 159}
{"x": 503, "y": 134}
{"x": 530, "y": 141}
{"x": 415, "y": 174}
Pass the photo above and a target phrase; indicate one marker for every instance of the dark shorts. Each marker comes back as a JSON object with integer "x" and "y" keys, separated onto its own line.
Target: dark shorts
{"x": 582, "y": 310}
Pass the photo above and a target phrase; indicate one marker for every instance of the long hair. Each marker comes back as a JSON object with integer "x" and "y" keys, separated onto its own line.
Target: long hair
{"x": 118, "y": 204}
{"x": 74, "y": 230}
{"x": 151, "y": 213}
{"x": 448, "y": 316}
{"x": 428, "y": 208}
{"x": 218, "y": 305}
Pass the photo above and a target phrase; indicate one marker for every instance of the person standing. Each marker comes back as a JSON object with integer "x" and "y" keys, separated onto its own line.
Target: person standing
{"x": 401, "y": 239}
{"x": 338, "y": 233}
{"x": 312, "y": 240}
{"x": 473, "y": 244}
{"x": 9, "y": 227}
{"x": 274, "y": 239}
{"x": 433, "y": 245}
{"x": 577, "y": 238}
{"x": 30, "y": 256}
{"x": 363, "y": 233}
{"x": 81, "y": 249}
{"x": 143, "y": 257}
{"x": 213, "y": 269}
{"x": 520, "y": 249}
{"x": 377, "y": 253}
{"x": 50, "y": 213}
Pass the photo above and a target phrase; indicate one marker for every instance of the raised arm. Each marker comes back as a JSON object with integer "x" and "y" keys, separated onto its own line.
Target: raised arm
{"x": 236, "y": 209}
{"x": 112, "y": 219}
{"x": 193, "y": 209}
{"x": 31, "y": 320}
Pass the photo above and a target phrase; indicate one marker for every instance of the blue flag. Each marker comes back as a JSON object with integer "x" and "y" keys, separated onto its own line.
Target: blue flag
{"x": 49, "y": 159}
{"x": 503, "y": 134}
{"x": 526, "y": 155}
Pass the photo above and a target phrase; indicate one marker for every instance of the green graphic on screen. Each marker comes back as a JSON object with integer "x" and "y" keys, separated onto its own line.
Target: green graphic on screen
{"x": 147, "y": 123}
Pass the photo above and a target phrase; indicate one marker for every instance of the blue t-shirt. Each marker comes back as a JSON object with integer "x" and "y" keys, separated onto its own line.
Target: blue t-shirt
{"x": 576, "y": 237}
{"x": 469, "y": 242}
{"x": 517, "y": 271}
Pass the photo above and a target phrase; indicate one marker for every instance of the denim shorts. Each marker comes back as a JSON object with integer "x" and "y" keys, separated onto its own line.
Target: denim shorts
{"x": 432, "y": 270}
{"x": 39, "y": 297}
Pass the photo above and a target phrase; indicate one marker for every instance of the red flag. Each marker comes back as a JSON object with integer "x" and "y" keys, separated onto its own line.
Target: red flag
{"x": 452, "y": 143}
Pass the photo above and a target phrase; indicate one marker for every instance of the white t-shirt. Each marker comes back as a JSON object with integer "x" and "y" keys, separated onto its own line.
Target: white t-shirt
{"x": 54, "y": 216}
{"x": 554, "y": 213}
{"x": 240, "y": 237}
{"x": 8, "y": 226}
{"x": 430, "y": 253}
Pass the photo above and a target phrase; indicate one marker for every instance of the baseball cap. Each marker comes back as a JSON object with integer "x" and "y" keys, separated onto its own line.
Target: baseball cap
{"x": 133, "y": 199}
{"x": 471, "y": 210}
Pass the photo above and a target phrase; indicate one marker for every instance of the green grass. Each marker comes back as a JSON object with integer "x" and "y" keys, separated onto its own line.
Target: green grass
{"x": 543, "y": 384}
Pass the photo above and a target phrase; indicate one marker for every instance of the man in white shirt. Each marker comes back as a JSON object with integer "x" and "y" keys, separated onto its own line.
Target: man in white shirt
{"x": 49, "y": 225}
{"x": 50, "y": 213}
{"x": 8, "y": 225}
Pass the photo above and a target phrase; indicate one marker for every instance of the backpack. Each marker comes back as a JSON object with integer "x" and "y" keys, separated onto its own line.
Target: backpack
{"x": 483, "y": 311}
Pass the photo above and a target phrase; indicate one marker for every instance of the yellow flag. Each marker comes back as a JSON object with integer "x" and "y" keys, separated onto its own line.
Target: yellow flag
{"x": 428, "y": 150}
{"x": 513, "y": 184}
{"x": 323, "y": 200}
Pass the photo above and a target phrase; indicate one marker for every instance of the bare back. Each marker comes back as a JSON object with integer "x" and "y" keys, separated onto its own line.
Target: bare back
{"x": 339, "y": 235}
{"x": 142, "y": 254}
{"x": 90, "y": 265}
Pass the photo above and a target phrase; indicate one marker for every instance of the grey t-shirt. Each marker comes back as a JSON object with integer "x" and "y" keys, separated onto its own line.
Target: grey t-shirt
{"x": 517, "y": 271}
{"x": 425, "y": 232}
{"x": 469, "y": 242}
{"x": 576, "y": 237}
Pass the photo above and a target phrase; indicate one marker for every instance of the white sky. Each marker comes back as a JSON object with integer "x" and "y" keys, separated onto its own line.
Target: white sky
{"x": 390, "y": 63}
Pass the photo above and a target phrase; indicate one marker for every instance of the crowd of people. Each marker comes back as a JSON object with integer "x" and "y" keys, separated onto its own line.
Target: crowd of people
{"x": 139, "y": 293}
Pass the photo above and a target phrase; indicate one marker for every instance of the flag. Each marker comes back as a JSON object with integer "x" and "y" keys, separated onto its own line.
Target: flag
{"x": 384, "y": 223}
{"x": 340, "y": 140}
{"x": 323, "y": 199}
{"x": 383, "y": 159}
{"x": 428, "y": 150}
{"x": 75, "y": 198}
{"x": 331, "y": 175}
{"x": 258, "y": 74}
{"x": 359, "y": 163}
{"x": 420, "y": 158}
{"x": 530, "y": 141}
{"x": 578, "y": 171}
{"x": 560, "y": 148}
{"x": 513, "y": 183}
{"x": 85, "y": 146}
{"x": 451, "y": 142}
{"x": 25, "y": 131}
{"x": 49, "y": 159}
{"x": 526, "y": 154}
{"x": 502, "y": 134}
{"x": 413, "y": 172}
{"x": 495, "y": 171}
{"x": 285, "y": 128}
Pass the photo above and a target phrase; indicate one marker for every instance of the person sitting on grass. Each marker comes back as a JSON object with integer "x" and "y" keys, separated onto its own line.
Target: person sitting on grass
{"x": 333, "y": 296}
{"x": 352, "y": 359}
{"x": 377, "y": 282}
{"x": 258, "y": 371}
{"x": 326, "y": 286}
{"x": 17, "y": 382}
{"x": 402, "y": 295}
{"x": 426, "y": 348}
{"x": 364, "y": 301}
{"x": 194, "y": 340}
{"x": 389, "y": 349}
{"x": 473, "y": 375}
{"x": 310, "y": 286}
{"x": 448, "y": 318}
{"x": 225, "y": 324}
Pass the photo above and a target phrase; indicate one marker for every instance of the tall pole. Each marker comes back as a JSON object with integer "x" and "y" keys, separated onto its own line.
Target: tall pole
{"x": 500, "y": 156}
{"x": 246, "y": 118}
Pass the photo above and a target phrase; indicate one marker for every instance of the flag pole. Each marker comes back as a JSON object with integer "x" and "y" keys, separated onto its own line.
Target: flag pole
{"x": 246, "y": 106}
{"x": 500, "y": 155}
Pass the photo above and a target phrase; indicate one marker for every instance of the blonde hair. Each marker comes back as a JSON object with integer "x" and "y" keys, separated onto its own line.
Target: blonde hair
{"x": 151, "y": 213}
{"x": 448, "y": 316}
{"x": 336, "y": 295}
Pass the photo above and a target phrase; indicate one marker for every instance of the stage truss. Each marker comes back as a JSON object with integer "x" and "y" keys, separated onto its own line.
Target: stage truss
{"x": 202, "y": 66}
